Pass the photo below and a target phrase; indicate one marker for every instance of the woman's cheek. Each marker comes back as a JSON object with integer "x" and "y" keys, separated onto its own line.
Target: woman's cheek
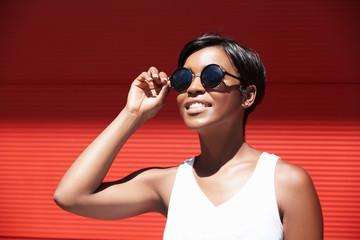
{"x": 179, "y": 100}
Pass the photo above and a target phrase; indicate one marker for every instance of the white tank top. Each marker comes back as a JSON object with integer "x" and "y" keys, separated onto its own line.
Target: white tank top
{"x": 252, "y": 214}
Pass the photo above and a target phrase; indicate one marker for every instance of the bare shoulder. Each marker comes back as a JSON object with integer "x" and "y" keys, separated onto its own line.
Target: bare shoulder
{"x": 160, "y": 179}
{"x": 291, "y": 175}
{"x": 292, "y": 183}
{"x": 298, "y": 202}
{"x": 156, "y": 175}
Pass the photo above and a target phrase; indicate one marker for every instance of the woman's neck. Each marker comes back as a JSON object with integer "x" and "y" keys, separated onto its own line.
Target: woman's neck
{"x": 220, "y": 146}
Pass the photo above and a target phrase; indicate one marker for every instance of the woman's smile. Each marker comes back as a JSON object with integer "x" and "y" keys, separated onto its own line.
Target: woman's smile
{"x": 196, "y": 106}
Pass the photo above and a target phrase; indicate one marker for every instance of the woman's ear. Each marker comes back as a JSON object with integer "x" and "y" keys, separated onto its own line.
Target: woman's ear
{"x": 250, "y": 95}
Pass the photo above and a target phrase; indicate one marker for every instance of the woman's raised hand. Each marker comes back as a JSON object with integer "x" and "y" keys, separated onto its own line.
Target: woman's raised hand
{"x": 148, "y": 93}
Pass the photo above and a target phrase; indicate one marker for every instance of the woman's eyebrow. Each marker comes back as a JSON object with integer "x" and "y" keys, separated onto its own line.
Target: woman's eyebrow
{"x": 189, "y": 69}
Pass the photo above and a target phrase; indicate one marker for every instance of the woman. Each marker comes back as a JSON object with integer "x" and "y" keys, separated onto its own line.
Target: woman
{"x": 229, "y": 191}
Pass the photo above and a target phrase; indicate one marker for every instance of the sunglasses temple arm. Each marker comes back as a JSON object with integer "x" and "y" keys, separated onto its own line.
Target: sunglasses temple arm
{"x": 233, "y": 76}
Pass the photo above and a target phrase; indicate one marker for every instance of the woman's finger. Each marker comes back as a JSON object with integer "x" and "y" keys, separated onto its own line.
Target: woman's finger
{"x": 154, "y": 73}
{"x": 163, "y": 78}
{"x": 165, "y": 89}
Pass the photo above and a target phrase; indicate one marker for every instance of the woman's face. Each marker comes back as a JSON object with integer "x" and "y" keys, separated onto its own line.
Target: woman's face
{"x": 202, "y": 108}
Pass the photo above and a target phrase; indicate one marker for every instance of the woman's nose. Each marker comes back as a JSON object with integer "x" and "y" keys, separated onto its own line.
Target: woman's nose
{"x": 196, "y": 86}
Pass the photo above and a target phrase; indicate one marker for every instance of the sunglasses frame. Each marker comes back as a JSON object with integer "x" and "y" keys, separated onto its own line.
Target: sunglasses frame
{"x": 200, "y": 75}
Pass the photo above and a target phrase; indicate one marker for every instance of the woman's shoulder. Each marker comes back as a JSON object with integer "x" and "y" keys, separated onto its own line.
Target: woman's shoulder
{"x": 298, "y": 203}
{"x": 158, "y": 179}
{"x": 290, "y": 174}
{"x": 161, "y": 176}
{"x": 291, "y": 180}
{"x": 158, "y": 174}
{"x": 294, "y": 186}
{"x": 164, "y": 172}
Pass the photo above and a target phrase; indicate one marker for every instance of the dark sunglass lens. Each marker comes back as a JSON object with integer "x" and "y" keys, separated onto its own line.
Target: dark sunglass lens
{"x": 181, "y": 79}
{"x": 212, "y": 76}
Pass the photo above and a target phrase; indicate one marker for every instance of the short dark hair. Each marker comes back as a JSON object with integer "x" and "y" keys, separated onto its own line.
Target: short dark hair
{"x": 245, "y": 60}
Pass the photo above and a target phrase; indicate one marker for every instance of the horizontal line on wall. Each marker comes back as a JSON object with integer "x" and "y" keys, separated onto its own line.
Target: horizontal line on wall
{"x": 128, "y": 83}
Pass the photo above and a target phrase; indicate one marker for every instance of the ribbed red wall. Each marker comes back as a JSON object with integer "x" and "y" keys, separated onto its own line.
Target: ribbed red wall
{"x": 66, "y": 66}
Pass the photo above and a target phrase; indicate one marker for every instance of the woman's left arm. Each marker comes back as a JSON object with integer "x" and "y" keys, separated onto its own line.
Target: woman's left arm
{"x": 298, "y": 203}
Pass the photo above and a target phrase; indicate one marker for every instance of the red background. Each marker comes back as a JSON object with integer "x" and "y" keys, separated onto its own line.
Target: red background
{"x": 66, "y": 66}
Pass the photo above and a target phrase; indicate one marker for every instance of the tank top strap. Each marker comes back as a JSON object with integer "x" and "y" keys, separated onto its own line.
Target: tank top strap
{"x": 267, "y": 163}
{"x": 264, "y": 172}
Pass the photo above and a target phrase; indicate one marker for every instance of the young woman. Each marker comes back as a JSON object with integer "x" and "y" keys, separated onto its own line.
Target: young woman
{"x": 229, "y": 191}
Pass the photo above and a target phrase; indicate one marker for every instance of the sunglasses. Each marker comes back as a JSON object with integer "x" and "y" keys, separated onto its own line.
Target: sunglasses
{"x": 211, "y": 76}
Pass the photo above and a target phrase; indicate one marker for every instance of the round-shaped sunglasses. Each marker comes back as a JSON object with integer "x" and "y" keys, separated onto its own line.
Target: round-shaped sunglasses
{"x": 211, "y": 76}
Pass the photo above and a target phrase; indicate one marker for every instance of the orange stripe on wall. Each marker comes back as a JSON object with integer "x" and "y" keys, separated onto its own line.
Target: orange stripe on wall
{"x": 31, "y": 168}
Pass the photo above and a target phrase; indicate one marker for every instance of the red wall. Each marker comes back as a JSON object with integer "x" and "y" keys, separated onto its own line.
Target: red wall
{"x": 66, "y": 66}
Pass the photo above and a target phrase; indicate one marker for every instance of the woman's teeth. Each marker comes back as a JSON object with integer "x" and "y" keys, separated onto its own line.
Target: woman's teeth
{"x": 196, "y": 105}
